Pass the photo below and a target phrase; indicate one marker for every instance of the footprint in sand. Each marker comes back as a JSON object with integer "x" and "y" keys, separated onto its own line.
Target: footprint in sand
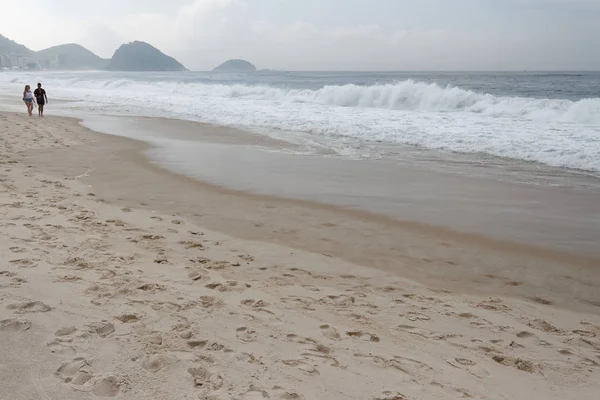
{"x": 199, "y": 275}
{"x": 195, "y": 344}
{"x": 17, "y": 282}
{"x": 298, "y": 302}
{"x": 322, "y": 354}
{"x": 107, "y": 387}
{"x": 341, "y": 301}
{"x": 14, "y": 325}
{"x": 24, "y": 263}
{"x": 284, "y": 394}
{"x": 57, "y": 347}
{"x": 426, "y": 333}
{"x": 209, "y": 302}
{"x": 330, "y": 332}
{"x": 387, "y": 395}
{"x": 312, "y": 288}
{"x": 107, "y": 274}
{"x": 149, "y": 237}
{"x": 76, "y": 372}
{"x": 152, "y": 287}
{"x": 525, "y": 335}
{"x": 246, "y": 335}
{"x": 206, "y": 379}
{"x": 301, "y": 271}
{"x": 299, "y": 339}
{"x": 254, "y": 304}
{"x": 103, "y": 329}
{"x": 369, "y": 337}
{"x": 161, "y": 259}
{"x": 216, "y": 265}
{"x": 302, "y": 366}
{"x": 468, "y": 365}
{"x": 229, "y": 286}
{"x": 416, "y": 316}
{"x": 246, "y": 257}
{"x": 66, "y": 331}
{"x": 255, "y": 394}
{"x": 116, "y": 222}
{"x": 190, "y": 244}
{"x": 128, "y": 318}
{"x": 493, "y": 305}
{"x": 154, "y": 338}
{"x": 583, "y": 333}
{"x": 156, "y": 362}
{"x": 29, "y": 307}
{"x": 408, "y": 364}
{"x": 518, "y": 363}
{"x": 186, "y": 334}
{"x": 216, "y": 347}
{"x": 544, "y": 326}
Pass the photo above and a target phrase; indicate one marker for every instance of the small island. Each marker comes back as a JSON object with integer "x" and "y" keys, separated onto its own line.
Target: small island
{"x": 235, "y": 66}
{"x": 141, "y": 56}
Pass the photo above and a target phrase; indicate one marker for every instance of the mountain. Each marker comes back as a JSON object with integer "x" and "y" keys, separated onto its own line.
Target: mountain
{"x": 8, "y": 46}
{"x": 66, "y": 56}
{"x": 71, "y": 56}
{"x": 235, "y": 66}
{"x": 140, "y": 56}
{"x": 134, "y": 56}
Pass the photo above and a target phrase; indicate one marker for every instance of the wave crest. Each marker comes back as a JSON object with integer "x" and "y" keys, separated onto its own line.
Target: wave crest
{"x": 418, "y": 96}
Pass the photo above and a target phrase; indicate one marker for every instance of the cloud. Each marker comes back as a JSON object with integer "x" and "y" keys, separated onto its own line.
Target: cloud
{"x": 203, "y": 33}
{"x": 332, "y": 34}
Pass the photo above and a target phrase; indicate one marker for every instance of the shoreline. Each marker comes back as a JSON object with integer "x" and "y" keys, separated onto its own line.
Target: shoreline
{"x": 433, "y": 255}
{"x": 101, "y": 296}
{"x": 495, "y": 202}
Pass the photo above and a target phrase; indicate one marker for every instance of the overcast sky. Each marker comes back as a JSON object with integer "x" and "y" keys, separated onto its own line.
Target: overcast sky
{"x": 325, "y": 34}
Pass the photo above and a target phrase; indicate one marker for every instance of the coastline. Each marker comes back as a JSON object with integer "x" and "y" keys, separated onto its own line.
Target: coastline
{"x": 498, "y": 199}
{"x": 337, "y": 288}
{"x": 432, "y": 254}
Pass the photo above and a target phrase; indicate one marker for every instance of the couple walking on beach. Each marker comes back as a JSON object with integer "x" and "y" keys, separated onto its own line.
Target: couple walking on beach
{"x": 38, "y": 98}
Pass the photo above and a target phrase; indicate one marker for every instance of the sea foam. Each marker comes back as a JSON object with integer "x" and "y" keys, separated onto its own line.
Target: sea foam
{"x": 557, "y": 132}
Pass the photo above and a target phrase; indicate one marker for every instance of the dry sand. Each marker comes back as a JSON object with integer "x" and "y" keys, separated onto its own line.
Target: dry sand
{"x": 101, "y": 299}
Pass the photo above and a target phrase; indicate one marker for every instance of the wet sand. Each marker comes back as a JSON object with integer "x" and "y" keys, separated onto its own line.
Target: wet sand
{"x": 506, "y": 200}
{"x": 423, "y": 249}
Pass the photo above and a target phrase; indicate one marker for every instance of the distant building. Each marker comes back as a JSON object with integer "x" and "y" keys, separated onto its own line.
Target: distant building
{"x": 4, "y": 62}
{"x": 22, "y": 62}
{"x": 18, "y": 62}
{"x": 44, "y": 64}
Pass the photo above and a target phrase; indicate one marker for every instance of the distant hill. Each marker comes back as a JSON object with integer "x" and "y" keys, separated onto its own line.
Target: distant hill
{"x": 8, "y": 46}
{"x": 140, "y": 56}
{"x": 72, "y": 56}
{"x": 235, "y": 66}
{"x": 134, "y": 56}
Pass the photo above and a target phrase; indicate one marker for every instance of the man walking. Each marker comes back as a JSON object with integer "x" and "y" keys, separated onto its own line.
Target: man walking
{"x": 41, "y": 98}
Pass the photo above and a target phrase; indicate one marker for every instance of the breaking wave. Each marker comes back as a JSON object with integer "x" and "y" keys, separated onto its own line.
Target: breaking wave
{"x": 558, "y": 132}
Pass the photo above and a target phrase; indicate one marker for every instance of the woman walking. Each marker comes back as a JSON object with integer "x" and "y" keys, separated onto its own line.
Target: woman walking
{"x": 28, "y": 99}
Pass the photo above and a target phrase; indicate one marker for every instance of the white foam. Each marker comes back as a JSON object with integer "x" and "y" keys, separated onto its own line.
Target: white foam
{"x": 552, "y": 131}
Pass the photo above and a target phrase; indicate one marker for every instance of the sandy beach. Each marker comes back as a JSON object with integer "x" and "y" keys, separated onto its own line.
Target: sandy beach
{"x": 119, "y": 279}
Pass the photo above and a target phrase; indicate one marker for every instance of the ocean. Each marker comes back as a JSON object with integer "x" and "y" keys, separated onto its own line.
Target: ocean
{"x": 549, "y": 118}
